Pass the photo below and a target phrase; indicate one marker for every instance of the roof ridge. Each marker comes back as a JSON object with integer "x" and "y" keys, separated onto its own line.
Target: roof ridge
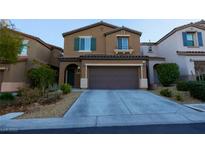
{"x": 90, "y": 26}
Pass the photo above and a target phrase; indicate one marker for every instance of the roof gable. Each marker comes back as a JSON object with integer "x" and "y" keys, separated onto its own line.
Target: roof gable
{"x": 123, "y": 28}
{"x": 88, "y": 27}
{"x": 196, "y": 25}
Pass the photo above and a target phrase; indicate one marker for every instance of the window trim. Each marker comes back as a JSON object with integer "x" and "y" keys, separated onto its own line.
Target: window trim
{"x": 83, "y": 37}
{"x": 122, "y": 43}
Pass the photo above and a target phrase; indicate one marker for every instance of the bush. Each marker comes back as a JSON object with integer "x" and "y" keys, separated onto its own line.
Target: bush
{"x": 51, "y": 98}
{"x": 28, "y": 95}
{"x": 66, "y": 88}
{"x": 168, "y": 73}
{"x": 166, "y": 92}
{"x": 6, "y": 96}
{"x": 178, "y": 97}
{"x": 42, "y": 76}
{"x": 183, "y": 85}
{"x": 197, "y": 89}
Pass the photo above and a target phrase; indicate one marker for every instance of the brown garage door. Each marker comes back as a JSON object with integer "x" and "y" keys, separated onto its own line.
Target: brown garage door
{"x": 112, "y": 77}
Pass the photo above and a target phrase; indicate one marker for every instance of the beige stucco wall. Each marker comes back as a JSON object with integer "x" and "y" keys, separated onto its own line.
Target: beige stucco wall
{"x": 97, "y": 32}
{"x": 133, "y": 39}
{"x": 16, "y": 74}
{"x": 82, "y": 65}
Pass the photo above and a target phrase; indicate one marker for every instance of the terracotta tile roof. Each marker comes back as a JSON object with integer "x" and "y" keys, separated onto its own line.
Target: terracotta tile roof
{"x": 89, "y": 26}
{"x": 123, "y": 28}
{"x": 157, "y": 58}
{"x": 22, "y": 58}
{"x": 147, "y": 43}
{"x": 191, "y": 53}
{"x": 113, "y": 57}
{"x": 104, "y": 57}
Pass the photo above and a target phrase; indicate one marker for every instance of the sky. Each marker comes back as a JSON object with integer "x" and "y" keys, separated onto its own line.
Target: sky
{"x": 51, "y": 30}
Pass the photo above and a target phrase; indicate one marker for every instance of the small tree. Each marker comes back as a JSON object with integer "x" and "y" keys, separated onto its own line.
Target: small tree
{"x": 42, "y": 76}
{"x": 168, "y": 73}
{"x": 10, "y": 44}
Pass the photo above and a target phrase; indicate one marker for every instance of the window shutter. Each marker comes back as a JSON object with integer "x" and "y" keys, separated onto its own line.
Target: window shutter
{"x": 200, "y": 40}
{"x": 184, "y": 38}
{"x": 76, "y": 44}
{"x": 93, "y": 44}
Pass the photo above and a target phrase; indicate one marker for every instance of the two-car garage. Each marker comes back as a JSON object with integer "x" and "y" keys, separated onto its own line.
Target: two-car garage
{"x": 113, "y": 77}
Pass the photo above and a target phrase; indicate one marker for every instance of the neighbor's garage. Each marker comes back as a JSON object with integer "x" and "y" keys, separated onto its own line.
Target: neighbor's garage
{"x": 113, "y": 77}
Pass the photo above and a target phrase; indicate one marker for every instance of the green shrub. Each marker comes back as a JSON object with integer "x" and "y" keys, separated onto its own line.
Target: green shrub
{"x": 66, "y": 88}
{"x": 166, "y": 92}
{"x": 178, "y": 97}
{"x": 168, "y": 73}
{"x": 182, "y": 85}
{"x": 51, "y": 98}
{"x": 29, "y": 96}
{"x": 42, "y": 76}
{"x": 7, "y": 96}
{"x": 197, "y": 89}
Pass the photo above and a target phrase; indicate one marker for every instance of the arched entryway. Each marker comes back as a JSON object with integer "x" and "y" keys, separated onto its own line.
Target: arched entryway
{"x": 72, "y": 75}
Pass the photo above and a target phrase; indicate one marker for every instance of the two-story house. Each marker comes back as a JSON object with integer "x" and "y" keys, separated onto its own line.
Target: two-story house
{"x": 103, "y": 56}
{"x": 184, "y": 45}
{"x": 14, "y": 76}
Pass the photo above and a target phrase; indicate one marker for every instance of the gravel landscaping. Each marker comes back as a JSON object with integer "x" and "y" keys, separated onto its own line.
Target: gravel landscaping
{"x": 186, "y": 98}
{"x": 51, "y": 110}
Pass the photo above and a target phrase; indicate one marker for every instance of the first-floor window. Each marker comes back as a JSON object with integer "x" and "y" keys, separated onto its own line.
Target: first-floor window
{"x": 24, "y": 49}
{"x": 122, "y": 43}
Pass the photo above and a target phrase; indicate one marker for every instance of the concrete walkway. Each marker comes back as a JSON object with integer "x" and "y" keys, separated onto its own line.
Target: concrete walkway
{"x": 99, "y": 108}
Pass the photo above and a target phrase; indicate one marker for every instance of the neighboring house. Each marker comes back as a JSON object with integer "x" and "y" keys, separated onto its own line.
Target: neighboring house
{"x": 103, "y": 56}
{"x": 149, "y": 49}
{"x": 13, "y": 76}
{"x": 184, "y": 45}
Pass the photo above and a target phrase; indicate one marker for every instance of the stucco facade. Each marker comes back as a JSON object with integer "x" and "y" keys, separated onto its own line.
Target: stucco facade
{"x": 14, "y": 76}
{"x": 171, "y": 47}
{"x": 106, "y": 53}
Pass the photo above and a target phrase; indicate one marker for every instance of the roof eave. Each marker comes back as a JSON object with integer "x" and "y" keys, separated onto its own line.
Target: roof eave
{"x": 89, "y": 26}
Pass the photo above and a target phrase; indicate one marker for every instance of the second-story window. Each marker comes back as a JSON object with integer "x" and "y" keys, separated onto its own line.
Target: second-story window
{"x": 122, "y": 43}
{"x": 85, "y": 44}
{"x": 24, "y": 49}
{"x": 192, "y": 39}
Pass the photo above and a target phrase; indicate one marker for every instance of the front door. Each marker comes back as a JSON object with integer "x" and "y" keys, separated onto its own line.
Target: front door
{"x": 71, "y": 76}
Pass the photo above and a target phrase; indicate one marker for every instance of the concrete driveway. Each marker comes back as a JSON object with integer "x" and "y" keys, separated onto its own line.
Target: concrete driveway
{"x": 108, "y": 108}
{"x": 127, "y": 107}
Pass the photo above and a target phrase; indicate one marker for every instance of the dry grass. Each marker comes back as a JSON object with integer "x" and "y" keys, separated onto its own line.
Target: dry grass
{"x": 57, "y": 109}
{"x": 186, "y": 98}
